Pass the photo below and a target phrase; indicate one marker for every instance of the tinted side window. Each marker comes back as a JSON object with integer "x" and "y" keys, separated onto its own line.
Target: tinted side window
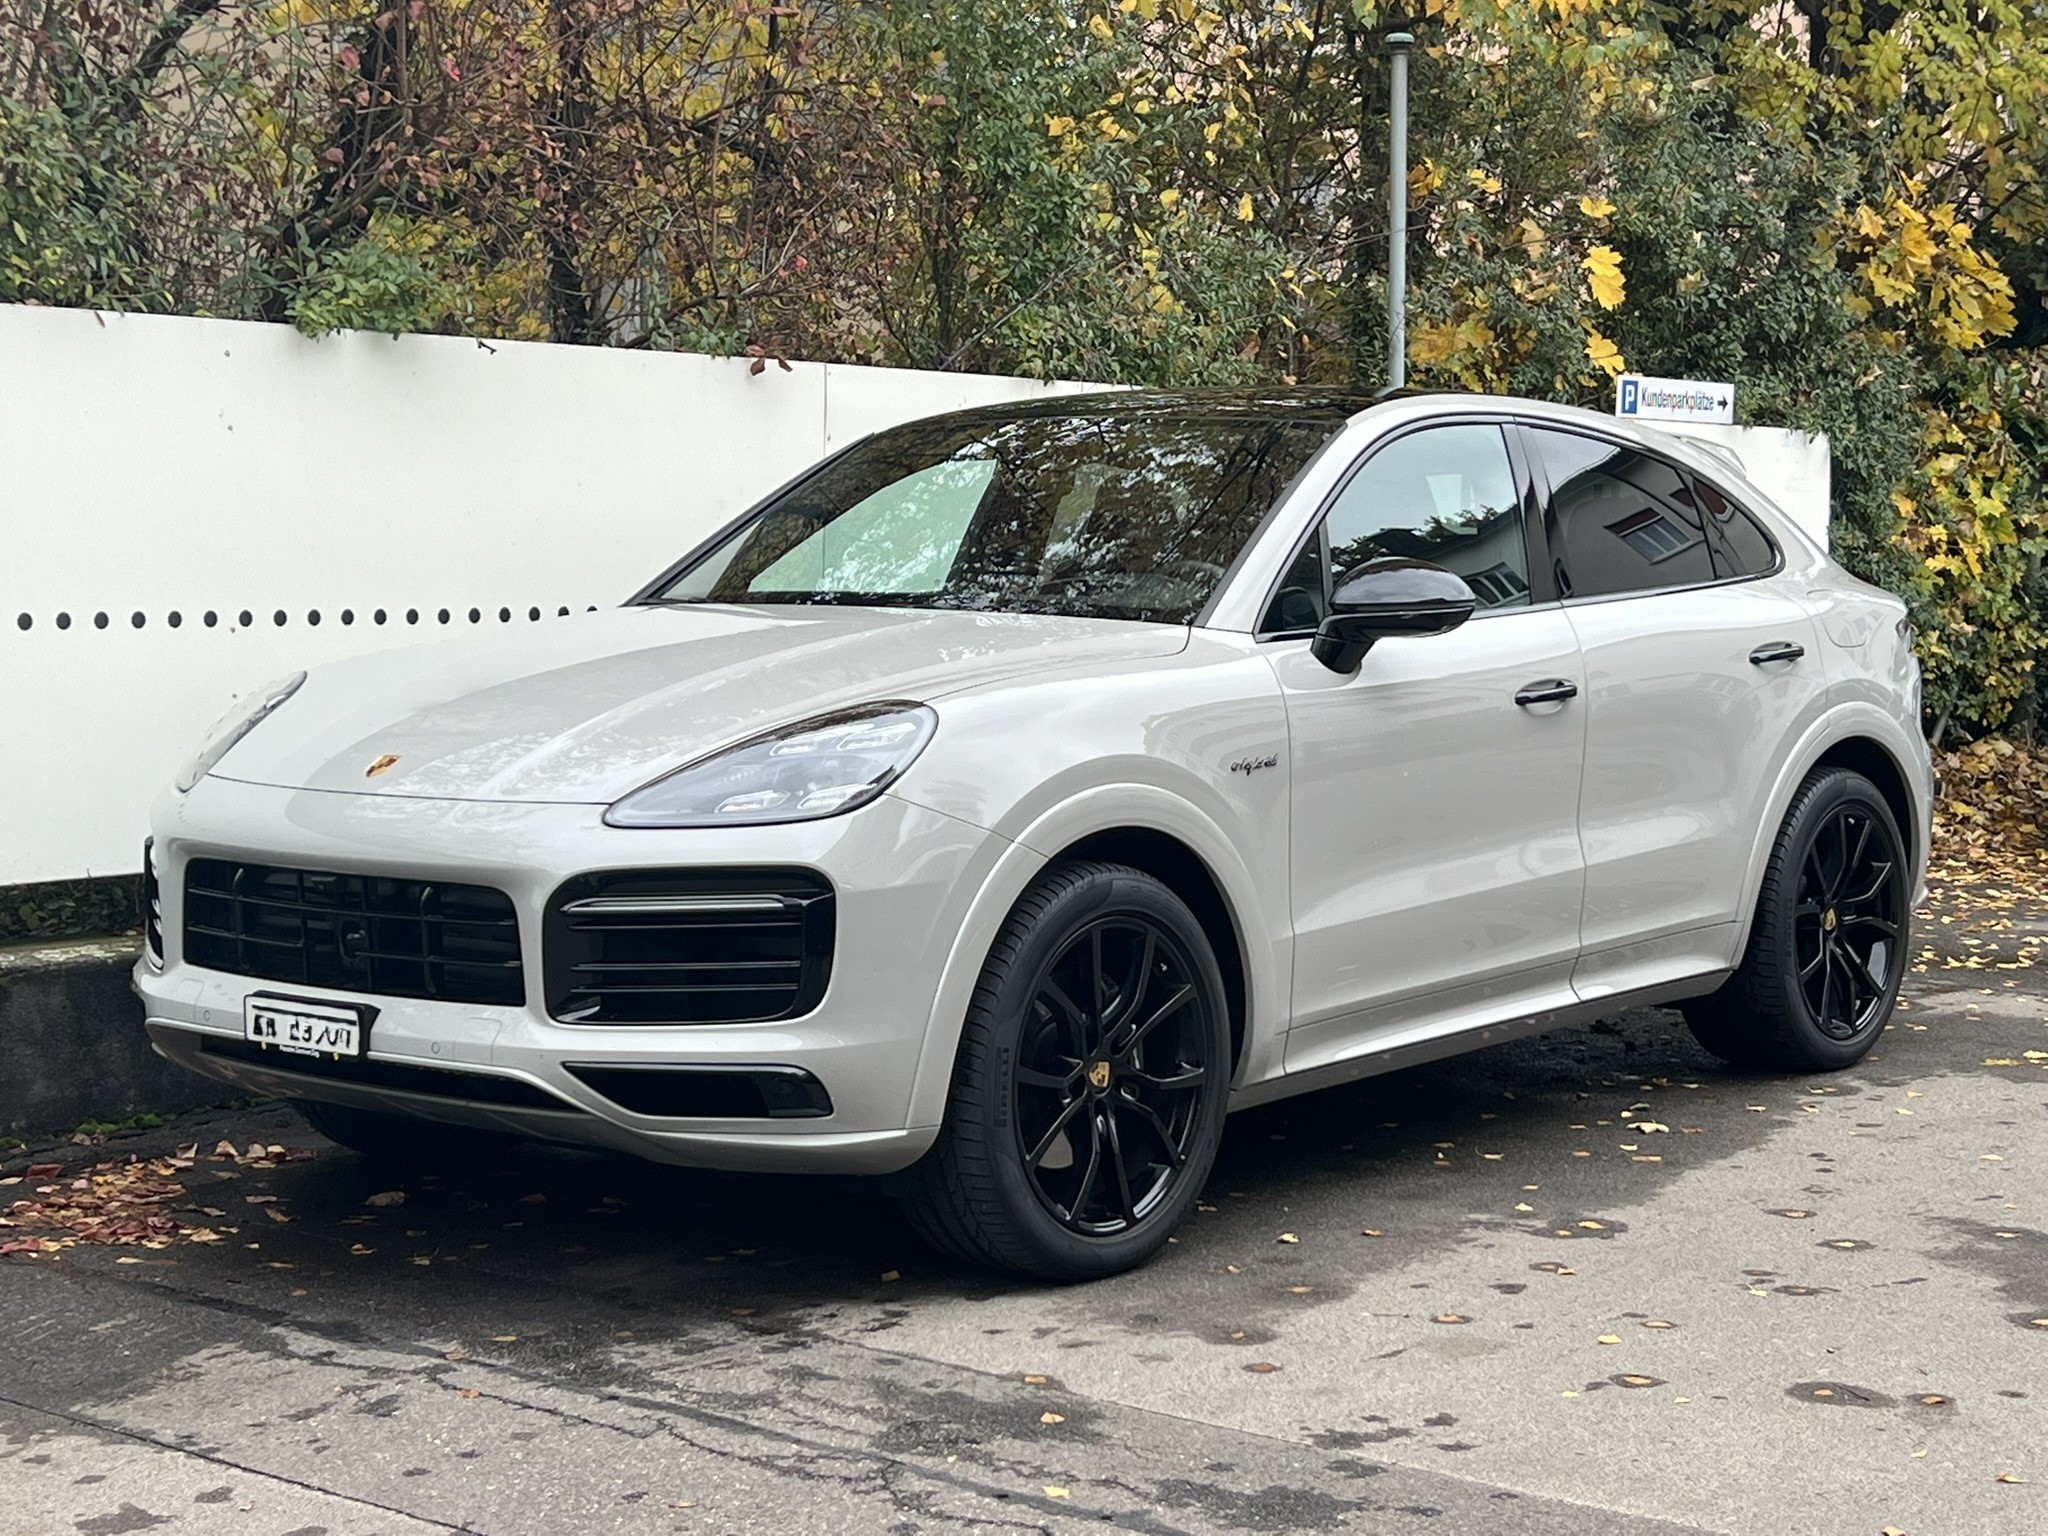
{"x": 1740, "y": 546}
{"x": 1622, "y": 521}
{"x": 1445, "y": 495}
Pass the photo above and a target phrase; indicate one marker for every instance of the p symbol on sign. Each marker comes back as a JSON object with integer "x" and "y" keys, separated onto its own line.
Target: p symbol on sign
{"x": 1629, "y": 388}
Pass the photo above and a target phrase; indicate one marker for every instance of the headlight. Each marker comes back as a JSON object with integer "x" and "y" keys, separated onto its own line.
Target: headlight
{"x": 248, "y": 713}
{"x": 801, "y": 772}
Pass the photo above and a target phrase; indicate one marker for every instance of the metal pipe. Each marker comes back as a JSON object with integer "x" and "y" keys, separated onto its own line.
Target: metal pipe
{"x": 1398, "y": 44}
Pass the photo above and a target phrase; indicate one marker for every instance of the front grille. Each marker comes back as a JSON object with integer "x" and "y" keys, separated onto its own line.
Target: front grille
{"x": 428, "y": 1082}
{"x": 355, "y": 933}
{"x": 152, "y": 903}
{"x": 728, "y": 946}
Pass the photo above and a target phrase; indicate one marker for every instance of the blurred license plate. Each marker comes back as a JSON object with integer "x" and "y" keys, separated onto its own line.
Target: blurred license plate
{"x": 303, "y": 1029}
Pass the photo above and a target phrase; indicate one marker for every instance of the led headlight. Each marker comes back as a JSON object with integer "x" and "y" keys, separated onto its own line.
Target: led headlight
{"x": 814, "y": 768}
{"x": 249, "y": 712}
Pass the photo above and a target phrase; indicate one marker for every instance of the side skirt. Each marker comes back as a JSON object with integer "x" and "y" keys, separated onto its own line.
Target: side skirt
{"x": 1458, "y": 1041}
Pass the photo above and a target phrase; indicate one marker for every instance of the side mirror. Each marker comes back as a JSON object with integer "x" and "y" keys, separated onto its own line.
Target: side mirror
{"x": 1386, "y": 598}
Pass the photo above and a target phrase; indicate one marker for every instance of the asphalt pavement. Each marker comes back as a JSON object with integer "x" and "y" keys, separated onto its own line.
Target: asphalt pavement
{"x": 1589, "y": 1283}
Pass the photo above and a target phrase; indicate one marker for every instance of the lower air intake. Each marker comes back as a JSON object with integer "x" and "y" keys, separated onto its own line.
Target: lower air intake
{"x": 726, "y": 946}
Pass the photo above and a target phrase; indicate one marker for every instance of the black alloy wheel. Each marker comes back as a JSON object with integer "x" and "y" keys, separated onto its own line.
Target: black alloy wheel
{"x": 1090, "y": 1085}
{"x": 1828, "y": 938}
{"x": 1848, "y": 921}
{"x": 1110, "y": 1075}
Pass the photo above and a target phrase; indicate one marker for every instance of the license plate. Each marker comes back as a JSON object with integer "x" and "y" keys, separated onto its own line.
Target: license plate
{"x": 303, "y": 1029}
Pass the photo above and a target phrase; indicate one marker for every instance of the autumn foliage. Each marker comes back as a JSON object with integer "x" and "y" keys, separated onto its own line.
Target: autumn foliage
{"x": 1839, "y": 206}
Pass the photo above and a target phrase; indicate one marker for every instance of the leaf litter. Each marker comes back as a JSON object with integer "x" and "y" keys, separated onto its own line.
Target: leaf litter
{"x": 131, "y": 1201}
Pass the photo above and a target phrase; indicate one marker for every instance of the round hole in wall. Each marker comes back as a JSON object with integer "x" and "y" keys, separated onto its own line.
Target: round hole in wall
{"x": 504, "y": 615}
{"x": 378, "y": 617}
{"x": 174, "y": 618}
{"x": 137, "y": 620}
{"x": 63, "y": 621}
{"x": 211, "y": 619}
{"x": 562, "y": 613}
{"x": 591, "y": 609}
{"x": 247, "y": 618}
{"x": 278, "y": 618}
{"x": 99, "y": 621}
{"x": 412, "y": 615}
{"x": 475, "y": 615}
{"x": 313, "y": 616}
{"x": 444, "y": 615}
{"x": 348, "y": 615}
{"x": 532, "y": 615}
{"x": 25, "y": 622}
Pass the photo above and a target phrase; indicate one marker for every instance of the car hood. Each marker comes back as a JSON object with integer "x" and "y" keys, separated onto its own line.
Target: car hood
{"x": 588, "y": 709}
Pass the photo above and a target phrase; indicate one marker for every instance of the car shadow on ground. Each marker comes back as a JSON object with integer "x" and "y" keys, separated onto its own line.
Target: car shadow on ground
{"x": 1429, "y": 1157}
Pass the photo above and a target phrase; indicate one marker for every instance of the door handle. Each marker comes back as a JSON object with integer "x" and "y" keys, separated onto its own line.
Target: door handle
{"x": 1777, "y": 650}
{"x": 1555, "y": 691}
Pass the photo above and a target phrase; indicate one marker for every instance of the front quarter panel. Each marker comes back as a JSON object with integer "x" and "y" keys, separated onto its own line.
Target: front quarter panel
{"x": 1193, "y": 745}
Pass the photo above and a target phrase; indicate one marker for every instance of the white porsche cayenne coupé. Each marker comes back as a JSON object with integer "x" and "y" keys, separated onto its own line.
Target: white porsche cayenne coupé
{"x": 1011, "y": 795}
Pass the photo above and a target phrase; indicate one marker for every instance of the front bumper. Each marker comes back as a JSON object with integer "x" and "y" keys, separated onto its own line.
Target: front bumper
{"x": 903, "y": 876}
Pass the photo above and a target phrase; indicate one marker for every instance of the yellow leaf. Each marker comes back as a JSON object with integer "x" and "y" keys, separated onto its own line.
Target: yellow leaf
{"x": 1484, "y": 180}
{"x": 1244, "y": 208}
{"x": 1058, "y": 127}
{"x": 1099, "y": 25}
{"x": 1595, "y": 207}
{"x": 1052, "y": 1492}
{"x": 1602, "y": 266}
{"x": 1169, "y": 197}
{"x": 1606, "y": 356}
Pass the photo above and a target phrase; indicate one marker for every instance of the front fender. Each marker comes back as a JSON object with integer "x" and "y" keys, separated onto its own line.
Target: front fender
{"x": 1260, "y": 922}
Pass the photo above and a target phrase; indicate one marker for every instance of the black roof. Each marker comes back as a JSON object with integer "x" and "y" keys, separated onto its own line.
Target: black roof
{"x": 1331, "y": 407}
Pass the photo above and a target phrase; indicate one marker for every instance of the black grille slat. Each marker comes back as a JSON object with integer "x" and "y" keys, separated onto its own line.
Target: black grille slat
{"x": 685, "y": 959}
{"x": 407, "y": 1077}
{"x": 361, "y": 933}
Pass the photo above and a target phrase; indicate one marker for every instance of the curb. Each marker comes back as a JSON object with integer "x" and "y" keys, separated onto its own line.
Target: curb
{"x": 72, "y": 1046}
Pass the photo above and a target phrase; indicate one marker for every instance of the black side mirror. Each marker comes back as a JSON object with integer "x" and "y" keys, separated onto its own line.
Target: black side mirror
{"x": 1386, "y": 598}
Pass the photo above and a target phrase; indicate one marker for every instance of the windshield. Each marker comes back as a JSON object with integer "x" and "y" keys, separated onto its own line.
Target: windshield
{"x": 1114, "y": 515}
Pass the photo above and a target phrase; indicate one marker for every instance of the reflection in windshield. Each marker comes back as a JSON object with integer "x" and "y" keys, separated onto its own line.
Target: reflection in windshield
{"x": 1120, "y": 515}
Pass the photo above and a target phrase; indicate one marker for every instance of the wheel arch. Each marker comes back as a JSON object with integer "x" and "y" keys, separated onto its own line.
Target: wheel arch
{"x": 1869, "y": 757}
{"x": 1181, "y": 870}
{"x": 1866, "y": 740}
{"x": 1163, "y": 835}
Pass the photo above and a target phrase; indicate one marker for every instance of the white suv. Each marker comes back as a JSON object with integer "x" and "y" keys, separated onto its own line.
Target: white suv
{"x": 1016, "y": 792}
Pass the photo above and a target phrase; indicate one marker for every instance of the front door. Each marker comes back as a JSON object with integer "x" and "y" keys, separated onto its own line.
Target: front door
{"x": 1435, "y": 865}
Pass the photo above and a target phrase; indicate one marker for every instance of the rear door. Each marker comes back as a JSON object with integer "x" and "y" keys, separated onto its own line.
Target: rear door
{"x": 1700, "y": 671}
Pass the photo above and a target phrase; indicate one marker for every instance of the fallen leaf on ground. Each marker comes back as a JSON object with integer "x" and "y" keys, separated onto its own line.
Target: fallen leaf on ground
{"x": 1052, "y": 1418}
{"x": 385, "y": 1197}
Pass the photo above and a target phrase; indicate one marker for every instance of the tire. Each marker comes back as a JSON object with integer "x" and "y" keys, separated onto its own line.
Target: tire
{"x": 1828, "y": 944}
{"x": 1078, "y": 1133}
{"x": 401, "y": 1142}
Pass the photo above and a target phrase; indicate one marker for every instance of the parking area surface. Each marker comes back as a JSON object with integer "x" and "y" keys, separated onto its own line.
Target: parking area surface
{"x": 1588, "y": 1283}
